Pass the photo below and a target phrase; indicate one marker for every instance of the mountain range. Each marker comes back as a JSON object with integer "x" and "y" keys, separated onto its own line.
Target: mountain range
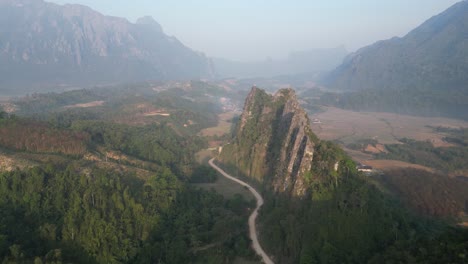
{"x": 44, "y": 44}
{"x": 432, "y": 56}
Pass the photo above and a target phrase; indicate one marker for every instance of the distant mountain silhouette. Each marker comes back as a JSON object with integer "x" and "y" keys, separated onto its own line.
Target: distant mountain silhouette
{"x": 309, "y": 61}
{"x": 48, "y": 44}
{"x": 432, "y": 56}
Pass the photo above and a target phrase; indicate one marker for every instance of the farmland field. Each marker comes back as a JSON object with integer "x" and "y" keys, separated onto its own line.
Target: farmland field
{"x": 386, "y": 128}
{"x": 348, "y": 127}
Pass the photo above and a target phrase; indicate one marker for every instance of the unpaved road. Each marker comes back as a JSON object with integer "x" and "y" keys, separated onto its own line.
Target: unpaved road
{"x": 252, "y": 228}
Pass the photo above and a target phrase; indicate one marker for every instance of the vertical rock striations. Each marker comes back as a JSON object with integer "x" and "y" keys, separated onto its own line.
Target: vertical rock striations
{"x": 45, "y": 44}
{"x": 274, "y": 143}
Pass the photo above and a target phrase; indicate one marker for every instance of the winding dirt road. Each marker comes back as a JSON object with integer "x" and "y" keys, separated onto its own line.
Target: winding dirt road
{"x": 252, "y": 228}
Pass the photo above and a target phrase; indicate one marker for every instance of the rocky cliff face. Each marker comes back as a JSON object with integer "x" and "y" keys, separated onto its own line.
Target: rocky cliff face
{"x": 72, "y": 44}
{"x": 274, "y": 143}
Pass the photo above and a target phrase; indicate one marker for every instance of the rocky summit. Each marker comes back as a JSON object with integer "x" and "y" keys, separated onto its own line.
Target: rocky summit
{"x": 273, "y": 143}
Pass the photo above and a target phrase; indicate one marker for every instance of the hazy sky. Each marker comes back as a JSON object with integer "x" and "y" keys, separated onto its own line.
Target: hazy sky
{"x": 257, "y": 29}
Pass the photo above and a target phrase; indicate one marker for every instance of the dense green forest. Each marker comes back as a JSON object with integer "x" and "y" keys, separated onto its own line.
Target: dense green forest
{"x": 94, "y": 205}
{"x": 350, "y": 220}
{"x": 100, "y": 210}
{"x": 55, "y": 215}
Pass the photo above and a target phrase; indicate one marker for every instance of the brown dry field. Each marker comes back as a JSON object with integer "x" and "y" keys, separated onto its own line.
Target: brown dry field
{"x": 394, "y": 164}
{"x": 348, "y": 126}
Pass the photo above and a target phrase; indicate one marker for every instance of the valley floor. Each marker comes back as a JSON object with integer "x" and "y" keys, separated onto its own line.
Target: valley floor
{"x": 349, "y": 127}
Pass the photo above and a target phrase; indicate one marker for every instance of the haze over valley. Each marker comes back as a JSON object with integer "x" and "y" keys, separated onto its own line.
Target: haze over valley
{"x": 233, "y": 132}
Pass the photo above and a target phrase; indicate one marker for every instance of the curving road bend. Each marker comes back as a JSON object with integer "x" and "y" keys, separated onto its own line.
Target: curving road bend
{"x": 252, "y": 228}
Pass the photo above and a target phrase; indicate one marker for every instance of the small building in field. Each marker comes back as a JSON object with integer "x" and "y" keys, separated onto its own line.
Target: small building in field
{"x": 316, "y": 121}
{"x": 364, "y": 168}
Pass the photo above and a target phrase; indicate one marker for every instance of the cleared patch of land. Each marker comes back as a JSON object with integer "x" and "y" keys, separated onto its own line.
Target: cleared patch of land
{"x": 223, "y": 127}
{"x": 11, "y": 162}
{"x": 385, "y": 128}
{"x": 394, "y": 164}
{"x": 203, "y": 156}
{"x": 383, "y": 165}
{"x": 86, "y": 105}
{"x": 8, "y": 107}
{"x": 157, "y": 113}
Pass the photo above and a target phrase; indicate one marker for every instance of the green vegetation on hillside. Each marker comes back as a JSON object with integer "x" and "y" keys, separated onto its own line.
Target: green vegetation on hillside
{"x": 446, "y": 159}
{"x": 354, "y": 222}
{"x": 156, "y": 143}
{"x": 120, "y": 191}
{"x": 429, "y": 193}
{"x": 340, "y": 215}
{"x": 58, "y": 214}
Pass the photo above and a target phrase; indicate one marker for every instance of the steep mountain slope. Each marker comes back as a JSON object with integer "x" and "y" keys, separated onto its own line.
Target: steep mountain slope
{"x": 433, "y": 56}
{"x": 318, "y": 207}
{"x": 275, "y": 145}
{"x": 43, "y": 43}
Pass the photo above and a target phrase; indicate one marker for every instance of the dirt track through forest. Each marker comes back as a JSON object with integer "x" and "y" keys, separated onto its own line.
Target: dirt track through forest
{"x": 252, "y": 227}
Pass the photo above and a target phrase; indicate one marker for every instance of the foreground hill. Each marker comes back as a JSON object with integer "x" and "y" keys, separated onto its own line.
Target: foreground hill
{"x": 318, "y": 207}
{"x": 105, "y": 183}
{"x": 48, "y": 44}
{"x": 275, "y": 145}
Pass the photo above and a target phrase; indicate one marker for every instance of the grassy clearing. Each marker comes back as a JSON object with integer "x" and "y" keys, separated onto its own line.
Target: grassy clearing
{"x": 203, "y": 156}
{"x": 223, "y": 127}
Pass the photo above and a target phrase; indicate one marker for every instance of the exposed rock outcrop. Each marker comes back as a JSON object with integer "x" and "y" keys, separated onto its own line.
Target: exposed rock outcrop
{"x": 45, "y": 44}
{"x": 274, "y": 143}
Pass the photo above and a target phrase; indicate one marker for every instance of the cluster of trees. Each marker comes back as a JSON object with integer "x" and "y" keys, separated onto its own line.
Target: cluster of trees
{"x": 424, "y": 153}
{"x": 57, "y": 215}
{"x": 34, "y": 136}
{"x": 362, "y": 144}
{"x": 429, "y": 193}
{"x": 203, "y": 174}
{"x": 156, "y": 142}
{"x": 456, "y": 136}
{"x": 40, "y": 104}
{"x": 192, "y": 107}
{"x": 416, "y": 101}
